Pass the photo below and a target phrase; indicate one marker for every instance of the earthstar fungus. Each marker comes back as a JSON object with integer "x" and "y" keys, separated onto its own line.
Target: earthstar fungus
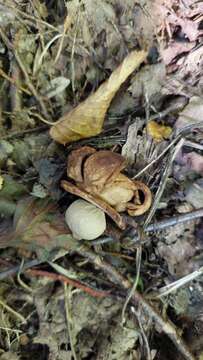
{"x": 98, "y": 179}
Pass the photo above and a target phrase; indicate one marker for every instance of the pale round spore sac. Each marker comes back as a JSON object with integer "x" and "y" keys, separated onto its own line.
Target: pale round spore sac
{"x": 86, "y": 221}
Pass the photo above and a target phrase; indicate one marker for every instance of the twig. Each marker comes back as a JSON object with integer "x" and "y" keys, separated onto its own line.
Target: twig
{"x": 24, "y": 71}
{"x": 66, "y": 25}
{"x": 183, "y": 131}
{"x": 163, "y": 181}
{"x": 138, "y": 317}
{"x": 39, "y": 63}
{"x": 155, "y": 160}
{"x": 137, "y": 299}
{"x": 14, "y": 270}
{"x": 73, "y": 52}
{"x": 30, "y": 17}
{"x": 165, "y": 290}
{"x": 134, "y": 287}
{"x": 160, "y": 225}
{"x": 25, "y": 132}
{"x": 66, "y": 280}
{"x": 13, "y": 81}
{"x": 13, "y": 312}
{"x": 38, "y": 116}
{"x": 67, "y": 295}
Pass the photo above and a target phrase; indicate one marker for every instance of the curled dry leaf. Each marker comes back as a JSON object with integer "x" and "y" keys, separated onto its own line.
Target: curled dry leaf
{"x": 98, "y": 179}
{"x": 87, "y": 118}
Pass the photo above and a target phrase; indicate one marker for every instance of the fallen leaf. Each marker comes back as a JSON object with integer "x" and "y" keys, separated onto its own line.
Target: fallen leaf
{"x": 87, "y": 118}
{"x": 194, "y": 194}
{"x": 177, "y": 247}
{"x": 38, "y": 225}
{"x": 9, "y": 355}
{"x": 157, "y": 131}
{"x": 191, "y": 161}
{"x": 192, "y": 113}
{"x": 142, "y": 81}
{"x": 12, "y": 189}
{"x": 174, "y": 49}
{"x": 6, "y": 149}
{"x": 56, "y": 86}
{"x": 39, "y": 191}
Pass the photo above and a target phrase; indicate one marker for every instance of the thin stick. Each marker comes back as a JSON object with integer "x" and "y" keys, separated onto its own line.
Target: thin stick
{"x": 73, "y": 52}
{"x": 24, "y": 71}
{"x": 30, "y": 17}
{"x": 155, "y": 160}
{"x": 160, "y": 225}
{"x": 138, "y": 317}
{"x": 11, "y": 272}
{"x": 134, "y": 287}
{"x": 163, "y": 182}
{"x": 25, "y": 132}
{"x": 13, "y": 312}
{"x": 175, "y": 140}
{"x": 66, "y": 280}
{"x": 13, "y": 81}
{"x": 67, "y": 295}
{"x": 165, "y": 290}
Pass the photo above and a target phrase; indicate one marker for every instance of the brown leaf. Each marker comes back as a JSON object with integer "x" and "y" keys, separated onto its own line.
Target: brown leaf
{"x": 87, "y": 118}
{"x": 37, "y": 224}
{"x": 192, "y": 113}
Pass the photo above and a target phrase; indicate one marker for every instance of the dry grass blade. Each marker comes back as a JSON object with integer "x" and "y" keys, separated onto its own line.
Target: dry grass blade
{"x": 87, "y": 118}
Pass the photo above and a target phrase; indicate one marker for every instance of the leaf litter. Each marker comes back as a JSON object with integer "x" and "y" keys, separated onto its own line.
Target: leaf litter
{"x": 65, "y": 65}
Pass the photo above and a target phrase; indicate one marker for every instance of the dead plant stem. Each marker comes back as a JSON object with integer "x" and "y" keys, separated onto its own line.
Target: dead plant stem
{"x": 24, "y": 71}
{"x": 67, "y": 297}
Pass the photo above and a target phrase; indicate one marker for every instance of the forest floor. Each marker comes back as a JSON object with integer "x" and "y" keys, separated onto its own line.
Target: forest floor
{"x": 133, "y": 293}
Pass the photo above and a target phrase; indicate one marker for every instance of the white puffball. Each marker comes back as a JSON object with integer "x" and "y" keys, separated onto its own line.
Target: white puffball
{"x": 86, "y": 221}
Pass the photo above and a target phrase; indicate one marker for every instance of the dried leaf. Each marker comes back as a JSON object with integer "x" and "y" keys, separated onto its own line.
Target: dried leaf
{"x": 194, "y": 194}
{"x": 38, "y": 225}
{"x": 39, "y": 191}
{"x": 192, "y": 113}
{"x": 143, "y": 80}
{"x": 6, "y": 149}
{"x": 87, "y": 118}
{"x": 157, "y": 131}
{"x": 12, "y": 189}
{"x": 190, "y": 162}
{"x": 56, "y": 86}
{"x": 9, "y": 356}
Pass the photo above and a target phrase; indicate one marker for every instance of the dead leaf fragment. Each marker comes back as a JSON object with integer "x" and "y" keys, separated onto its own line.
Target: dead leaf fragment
{"x": 157, "y": 131}
{"x": 37, "y": 225}
{"x": 87, "y": 118}
{"x": 192, "y": 113}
